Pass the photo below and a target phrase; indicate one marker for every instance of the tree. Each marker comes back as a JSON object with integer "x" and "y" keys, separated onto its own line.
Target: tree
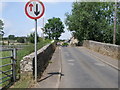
{"x": 91, "y": 21}
{"x": 20, "y": 40}
{"x": 118, "y": 24}
{"x": 11, "y": 37}
{"x": 1, "y": 25}
{"x": 54, "y": 28}
{"x": 1, "y": 28}
{"x": 31, "y": 37}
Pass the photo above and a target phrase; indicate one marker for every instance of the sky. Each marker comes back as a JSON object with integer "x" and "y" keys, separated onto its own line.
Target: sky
{"x": 18, "y": 24}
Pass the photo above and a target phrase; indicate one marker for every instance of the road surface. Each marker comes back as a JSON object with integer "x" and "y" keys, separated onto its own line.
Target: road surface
{"x": 82, "y": 70}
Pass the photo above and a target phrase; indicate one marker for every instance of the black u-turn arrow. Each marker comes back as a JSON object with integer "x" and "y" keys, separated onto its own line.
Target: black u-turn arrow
{"x": 36, "y": 12}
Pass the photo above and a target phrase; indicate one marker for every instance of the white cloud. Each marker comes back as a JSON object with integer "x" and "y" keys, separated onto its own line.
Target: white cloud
{"x": 2, "y": 6}
{"x": 7, "y": 27}
{"x": 39, "y": 31}
{"x": 67, "y": 35}
{"x": 7, "y": 23}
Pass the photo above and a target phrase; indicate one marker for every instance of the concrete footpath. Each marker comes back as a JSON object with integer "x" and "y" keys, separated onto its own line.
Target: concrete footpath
{"x": 51, "y": 76}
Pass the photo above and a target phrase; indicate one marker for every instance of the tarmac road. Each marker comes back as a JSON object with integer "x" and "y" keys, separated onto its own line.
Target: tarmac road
{"x": 82, "y": 70}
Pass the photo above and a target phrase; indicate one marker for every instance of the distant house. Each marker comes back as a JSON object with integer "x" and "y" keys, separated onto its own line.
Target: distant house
{"x": 7, "y": 41}
{"x": 73, "y": 41}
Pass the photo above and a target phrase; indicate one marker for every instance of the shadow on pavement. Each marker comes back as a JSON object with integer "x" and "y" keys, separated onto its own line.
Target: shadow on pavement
{"x": 51, "y": 74}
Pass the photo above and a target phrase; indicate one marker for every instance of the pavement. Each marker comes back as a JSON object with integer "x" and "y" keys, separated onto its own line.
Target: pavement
{"x": 79, "y": 67}
{"x": 51, "y": 76}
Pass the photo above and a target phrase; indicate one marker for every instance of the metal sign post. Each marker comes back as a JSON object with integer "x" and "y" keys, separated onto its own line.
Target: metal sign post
{"x": 34, "y": 9}
{"x": 35, "y": 49}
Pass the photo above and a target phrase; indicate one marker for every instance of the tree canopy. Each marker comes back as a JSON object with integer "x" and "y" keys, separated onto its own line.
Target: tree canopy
{"x": 31, "y": 37}
{"x": 118, "y": 24}
{"x": 1, "y": 25}
{"x": 20, "y": 40}
{"x": 11, "y": 37}
{"x": 1, "y": 28}
{"x": 54, "y": 28}
{"x": 92, "y": 21}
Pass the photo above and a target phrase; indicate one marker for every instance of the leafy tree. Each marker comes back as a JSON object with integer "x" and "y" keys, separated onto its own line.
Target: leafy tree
{"x": 20, "y": 40}
{"x": 118, "y": 24}
{"x": 1, "y": 28}
{"x": 1, "y": 25}
{"x": 91, "y": 21}
{"x": 31, "y": 37}
{"x": 54, "y": 28}
{"x": 11, "y": 37}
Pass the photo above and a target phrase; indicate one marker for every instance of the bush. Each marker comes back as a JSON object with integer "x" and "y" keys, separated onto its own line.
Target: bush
{"x": 21, "y": 40}
{"x": 31, "y": 37}
{"x": 65, "y": 44}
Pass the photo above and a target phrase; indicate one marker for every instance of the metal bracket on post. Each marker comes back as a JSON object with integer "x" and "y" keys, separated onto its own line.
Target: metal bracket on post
{"x": 36, "y": 50}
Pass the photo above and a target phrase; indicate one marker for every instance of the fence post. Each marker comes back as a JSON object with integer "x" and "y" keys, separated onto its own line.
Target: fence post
{"x": 14, "y": 53}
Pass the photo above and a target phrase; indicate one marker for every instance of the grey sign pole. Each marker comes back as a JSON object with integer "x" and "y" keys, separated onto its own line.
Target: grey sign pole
{"x": 36, "y": 50}
{"x": 33, "y": 11}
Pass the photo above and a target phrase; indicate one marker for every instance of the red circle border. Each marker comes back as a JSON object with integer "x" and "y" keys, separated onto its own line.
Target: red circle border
{"x": 40, "y": 14}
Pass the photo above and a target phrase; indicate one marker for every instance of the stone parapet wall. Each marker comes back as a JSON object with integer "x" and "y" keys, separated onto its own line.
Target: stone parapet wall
{"x": 103, "y": 48}
{"x": 43, "y": 57}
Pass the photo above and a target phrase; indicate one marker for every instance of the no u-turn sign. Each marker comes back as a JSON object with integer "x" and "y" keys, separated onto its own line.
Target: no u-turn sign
{"x": 34, "y": 9}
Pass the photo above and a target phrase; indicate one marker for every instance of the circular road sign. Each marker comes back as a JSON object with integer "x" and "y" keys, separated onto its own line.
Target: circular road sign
{"x": 34, "y": 9}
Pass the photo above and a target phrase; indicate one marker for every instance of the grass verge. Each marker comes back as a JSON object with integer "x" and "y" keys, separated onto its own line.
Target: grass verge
{"x": 24, "y": 83}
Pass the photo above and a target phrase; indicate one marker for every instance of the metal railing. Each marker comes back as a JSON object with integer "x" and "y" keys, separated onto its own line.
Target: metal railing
{"x": 8, "y": 75}
{"x": 13, "y": 46}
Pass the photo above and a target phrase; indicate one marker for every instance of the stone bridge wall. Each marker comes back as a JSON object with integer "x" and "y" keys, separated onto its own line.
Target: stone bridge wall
{"x": 103, "y": 48}
{"x": 43, "y": 57}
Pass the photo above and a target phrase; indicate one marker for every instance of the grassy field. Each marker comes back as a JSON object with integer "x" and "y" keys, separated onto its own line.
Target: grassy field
{"x": 3, "y": 62}
{"x": 20, "y": 54}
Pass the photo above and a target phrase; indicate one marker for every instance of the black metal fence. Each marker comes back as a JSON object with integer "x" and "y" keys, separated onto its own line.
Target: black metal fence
{"x": 13, "y": 46}
{"x": 8, "y": 75}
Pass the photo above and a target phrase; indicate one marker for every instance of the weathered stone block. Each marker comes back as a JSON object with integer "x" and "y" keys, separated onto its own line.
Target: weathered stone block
{"x": 43, "y": 56}
{"x": 103, "y": 48}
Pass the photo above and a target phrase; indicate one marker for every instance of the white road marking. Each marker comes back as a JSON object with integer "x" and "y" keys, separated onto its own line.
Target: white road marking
{"x": 71, "y": 60}
{"x": 60, "y": 48}
{"x": 99, "y": 64}
{"x": 67, "y": 54}
{"x": 72, "y": 64}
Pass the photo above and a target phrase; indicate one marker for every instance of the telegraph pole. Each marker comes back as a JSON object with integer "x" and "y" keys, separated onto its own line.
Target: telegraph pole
{"x": 114, "y": 34}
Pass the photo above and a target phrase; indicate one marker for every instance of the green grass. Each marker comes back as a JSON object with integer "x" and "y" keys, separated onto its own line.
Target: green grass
{"x": 30, "y": 49}
{"x": 3, "y": 62}
{"x": 25, "y": 82}
{"x": 20, "y": 54}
